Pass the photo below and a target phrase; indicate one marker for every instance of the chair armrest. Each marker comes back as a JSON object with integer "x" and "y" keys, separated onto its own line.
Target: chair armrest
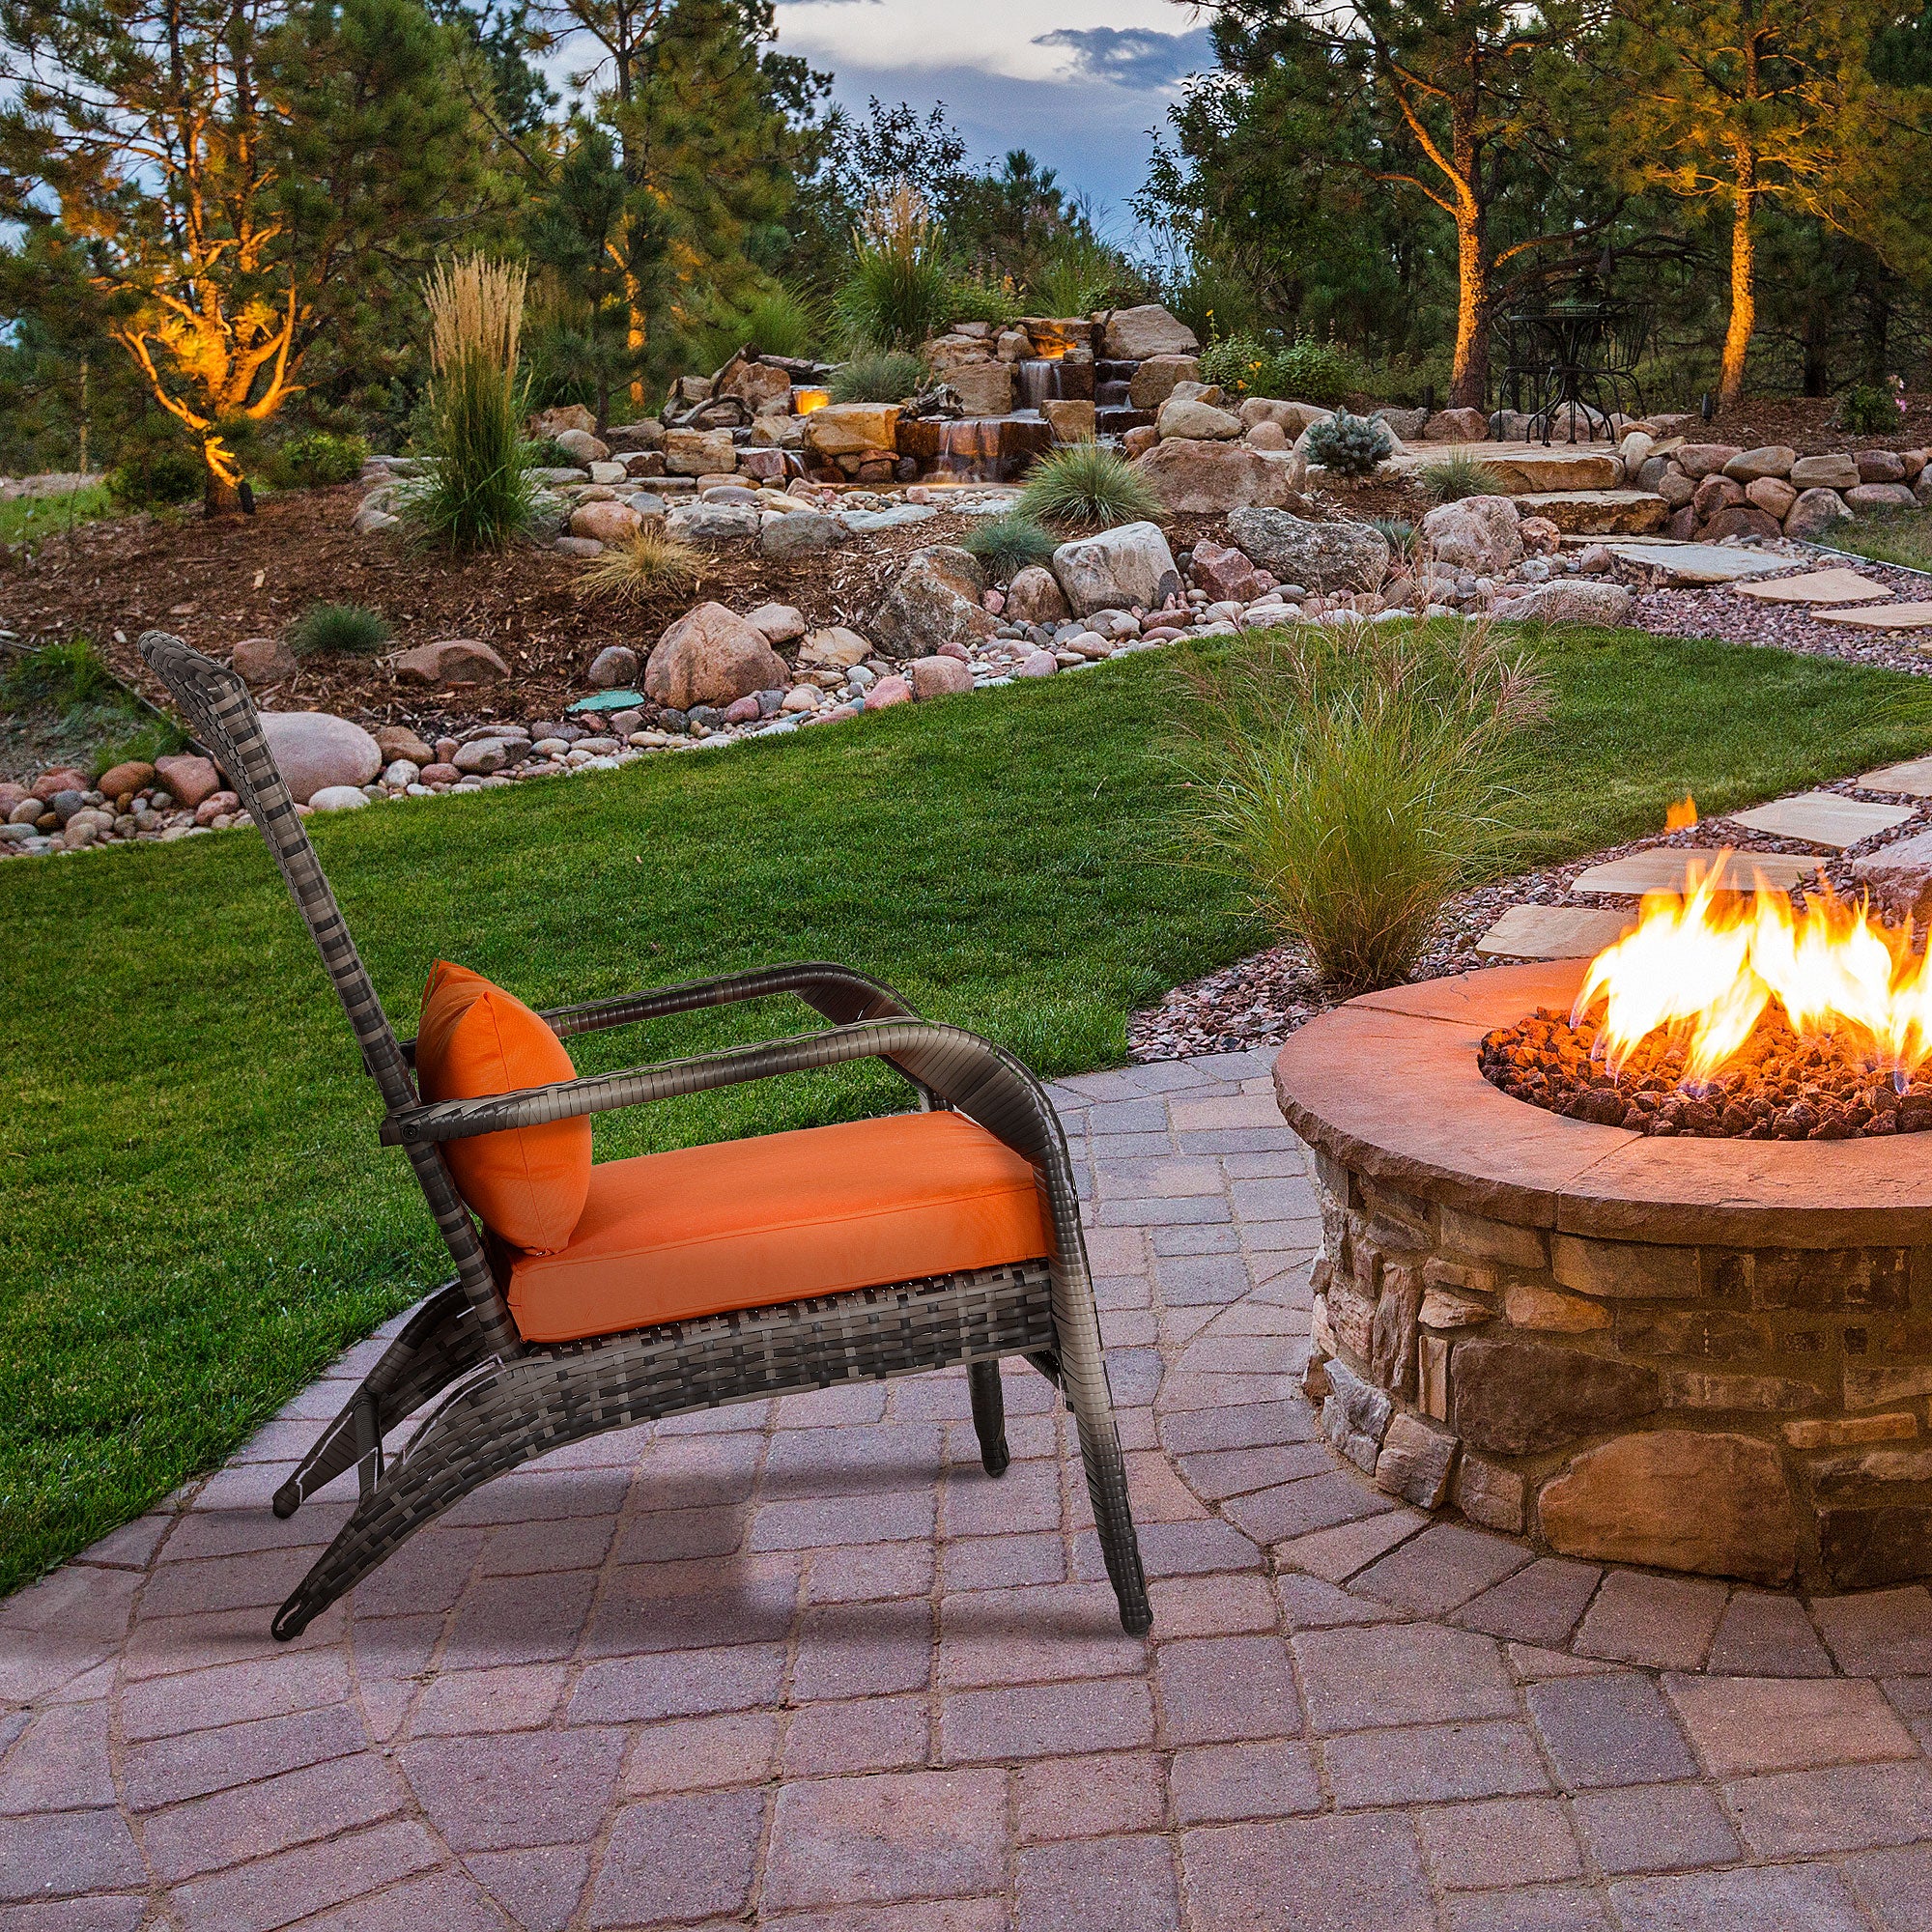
{"x": 967, "y": 1072}
{"x": 840, "y": 994}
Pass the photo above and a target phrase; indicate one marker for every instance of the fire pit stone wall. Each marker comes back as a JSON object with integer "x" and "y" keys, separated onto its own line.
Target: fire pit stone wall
{"x": 1744, "y": 1396}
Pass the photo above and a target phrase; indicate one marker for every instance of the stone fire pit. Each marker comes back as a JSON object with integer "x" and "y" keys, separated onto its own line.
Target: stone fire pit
{"x": 1704, "y": 1355}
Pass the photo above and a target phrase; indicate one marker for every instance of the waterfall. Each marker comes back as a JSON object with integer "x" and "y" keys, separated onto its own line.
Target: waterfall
{"x": 1039, "y": 381}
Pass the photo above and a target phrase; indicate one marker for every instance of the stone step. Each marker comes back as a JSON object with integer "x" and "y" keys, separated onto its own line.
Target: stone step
{"x": 1528, "y": 465}
{"x": 1835, "y": 585}
{"x": 1823, "y": 818}
{"x": 1667, "y": 869}
{"x": 1691, "y": 565}
{"x": 1596, "y": 512}
{"x": 1553, "y": 932}
{"x": 1883, "y": 616}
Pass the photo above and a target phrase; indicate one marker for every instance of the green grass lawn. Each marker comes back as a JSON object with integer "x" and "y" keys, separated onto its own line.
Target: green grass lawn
{"x": 1906, "y": 538}
{"x": 198, "y": 1214}
{"x": 36, "y": 517}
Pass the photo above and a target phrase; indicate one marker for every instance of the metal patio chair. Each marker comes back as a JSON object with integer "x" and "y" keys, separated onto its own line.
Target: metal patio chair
{"x": 501, "y": 1400}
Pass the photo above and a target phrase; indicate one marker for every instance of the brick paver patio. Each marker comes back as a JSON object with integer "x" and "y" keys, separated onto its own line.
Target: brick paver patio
{"x": 804, "y": 1666}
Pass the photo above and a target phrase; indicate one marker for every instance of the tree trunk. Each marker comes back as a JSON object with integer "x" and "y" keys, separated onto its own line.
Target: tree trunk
{"x": 222, "y": 480}
{"x": 1469, "y": 374}
{"x": 1744, "y": 283}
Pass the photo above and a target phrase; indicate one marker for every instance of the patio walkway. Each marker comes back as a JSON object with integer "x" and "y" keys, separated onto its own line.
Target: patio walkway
{"x": 763, "y": 1668}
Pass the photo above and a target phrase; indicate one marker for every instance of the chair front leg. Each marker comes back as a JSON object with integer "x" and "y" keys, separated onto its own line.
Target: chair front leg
{"x": 989, "y": 1416}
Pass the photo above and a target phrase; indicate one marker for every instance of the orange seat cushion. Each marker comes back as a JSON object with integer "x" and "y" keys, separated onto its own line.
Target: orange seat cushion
{"x": 528, "y": 1184}
{"x": 745, "y": 1224}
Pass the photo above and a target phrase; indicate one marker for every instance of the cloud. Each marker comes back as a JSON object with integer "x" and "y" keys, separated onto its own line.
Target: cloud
{"x": 1135, "y": 57}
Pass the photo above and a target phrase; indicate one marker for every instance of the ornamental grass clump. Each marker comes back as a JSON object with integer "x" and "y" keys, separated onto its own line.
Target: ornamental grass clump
{"x": 645, "y": 562}
{"x": 1348, "y": 445}
{"x": 1450, "y": 478}
{"x": 899, "y": 290}
{"x": 1350, "y": 779}
{"x": 1088, "y": 486}
{"x": 339, "y": 630}
{"x": 1007, "y": 545}
{"x": 477, "y": 494}
{"x": 878, "y": 376}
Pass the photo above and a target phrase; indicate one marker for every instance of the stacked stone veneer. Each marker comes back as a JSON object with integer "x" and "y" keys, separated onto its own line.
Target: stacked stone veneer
{"x": 1752, "y": 1412}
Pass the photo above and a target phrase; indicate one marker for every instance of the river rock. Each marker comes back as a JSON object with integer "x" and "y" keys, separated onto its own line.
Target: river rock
{"x": 1815, "y": 513}
{"x": 1482, "y": 534}
{"x": 1319, "y": 557}
{"x": 1225, "y": 573}
{"x": 938, "y": 676}
{"x": 189, "y": 779}
{"x": 779, "y": 622}
{"x": 1155, "y": 380}
{"x": 479, "y": 757}
{"x": 117, "y": 782}
{"x": 1122, "y": 567}
{"x": 1133, "y": 334}
{"x": 1035, "y": 597}
{"x": 1197, "y": 476}
{"x": 398, "y": 741}
{"x": 614, "y": 668}
{"x": 1573, "y": 601}
{"x": 452, "y": 661}
{"x": 717, "y": 523}
{"x": 582, "y": 446}
{"x": 797, "y": 533}
{"x": 1677, "y": 1499}
{"x": 833, "y": 649}
{"x": 1823, "y": 472}
{"x": 263, "y": 661}
{"x": 1187, "y": 417}
{"x": 338, "y": 798}
{"x": 712, "y": 656}
{"x": 1866, "y": 497}
{"x": 316, "y": 751}
{"x": 1518, "y": 1397}
{"x": 935, "y": 600}
{"x": 1749, "y": 465}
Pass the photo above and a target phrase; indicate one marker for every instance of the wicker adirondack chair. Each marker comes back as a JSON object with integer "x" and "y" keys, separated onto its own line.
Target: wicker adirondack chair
{"x": 499, "y": 1399}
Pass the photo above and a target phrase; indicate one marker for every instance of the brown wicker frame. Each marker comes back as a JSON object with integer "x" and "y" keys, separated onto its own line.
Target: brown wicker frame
{"x": 500, "y": 1400}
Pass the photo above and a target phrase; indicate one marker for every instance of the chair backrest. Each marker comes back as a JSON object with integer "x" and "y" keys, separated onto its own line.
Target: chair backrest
{"x": 223, "y": 716}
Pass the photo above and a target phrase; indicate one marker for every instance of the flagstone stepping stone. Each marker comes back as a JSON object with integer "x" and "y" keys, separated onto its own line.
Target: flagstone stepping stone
{"x": 1553, "y": 932}
{"x": 1914, "y": 777}
{"x": 1666, "y": 871}
{"x": 1883, "y": 616}
{"x": 1690, "y": 564}
{"x": 1823, "y": 818}
{"x": 1817, "y": 586}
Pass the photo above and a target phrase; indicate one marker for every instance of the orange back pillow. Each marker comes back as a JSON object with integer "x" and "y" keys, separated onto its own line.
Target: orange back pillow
{"x": 528, "y": 1184}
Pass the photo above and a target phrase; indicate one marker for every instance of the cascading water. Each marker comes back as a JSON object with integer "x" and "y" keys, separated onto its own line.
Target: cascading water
{"x": 1039, "y": 382}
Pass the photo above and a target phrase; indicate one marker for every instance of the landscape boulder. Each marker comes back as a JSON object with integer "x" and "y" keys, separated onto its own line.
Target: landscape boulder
{"x": 1035, "y": 597}
{"x": 1815, "y": 513}
{"x": 1225, "y": 573}
{"x": 582, "y": 446}
{"x": 715, "y": 523}
{"x": 116, "y": 782}
{"x": 1750, "y": 465}
{"x": 712, "y": 656}
{"x": 887, "y": 691}
{"x": 565, "y": 417}
{"x": 188, "y": 779}
{"x": 1292, "y": 418}
{"x": 698, "y": 452}
{"x": 1880, "y": 466}
{"x": 316, "y": 751}
{"x": 833, "y": 649}
{"x": 1070, "y": 419}
{"x": 1133, "y": 334}
{"x": 1127, "y": 566}
{"x": 1773, "y": 494}
{"x": 984, "y": 388}
{"x": 1157, "y": 377}
{"x": 933, "y": 601}
{"x": 614, "y": 668}
{"x": 606, "y": 522}
{"x": 451, "y": 661}
{"x": 1820, "y": 472}
{"x": 853, "y": 429}
{"x": 938, "y": 676}
{"x": 1482, "y": 534}
{"x": 762, "y": 386}
{"x": 1195, "y": 477}
{"x": 1866, "y": 497}
{"x": 779, "y": 622}
{"x": 398, "y": 741}
{"x": 1738, "y": 520}
{"x": 1702, "y": 459}
{"x": 1456, "y": 426}
{"x": 1575, "y": 600}
{"x": 1319, "y": 557}
{"x": 1187, "y": 417}
{"x": 798, "y": 532}
{"x": 263, "y": 661}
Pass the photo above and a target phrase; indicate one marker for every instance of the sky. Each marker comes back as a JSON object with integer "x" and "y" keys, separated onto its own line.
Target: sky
{"x": 1080, "y": 83}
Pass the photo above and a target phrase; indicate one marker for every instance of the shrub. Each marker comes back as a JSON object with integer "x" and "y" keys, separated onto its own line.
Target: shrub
{"x": 646, "y": 562}
{"x": 1306, "y": 369}
{"x": 315, "y": 459}
{"x": 156, "y": 473}
{"x": 974, "y": 299}
{"x": 1348, "y": 445}
{"x": 878, "y": 376}
{"x": 898, "y": 290}
{"x": 785, "y": 321}
{"x": 1088, "y": 487}
{"x": 476, "y": 494}
{"x": 1076, "y": 274}
{"x": 1007, "y": 545}
{"x": 1448, "y": 479}
{"x": 1868, "y": 408}
{"x": 1399, "y": 534}
{"x": 339, "y": 630}
{"x": 1243, "y": 365}
{"x": 1353, "y": 783}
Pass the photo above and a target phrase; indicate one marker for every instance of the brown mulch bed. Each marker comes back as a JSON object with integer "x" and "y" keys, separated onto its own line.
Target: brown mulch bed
{"x": 1805, "y": 424}
{"x": 217, "y": 582}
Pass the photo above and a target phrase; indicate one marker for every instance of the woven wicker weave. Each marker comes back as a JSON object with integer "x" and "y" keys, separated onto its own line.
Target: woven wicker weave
{"x": 498, "y": 1401}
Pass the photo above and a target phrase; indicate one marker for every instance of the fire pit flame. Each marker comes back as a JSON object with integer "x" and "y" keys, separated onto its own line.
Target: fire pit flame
{"x": 1706, "y": 966}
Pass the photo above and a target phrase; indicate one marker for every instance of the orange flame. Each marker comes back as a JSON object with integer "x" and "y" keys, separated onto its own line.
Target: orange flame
{"x": 1681, "y": 816}
{"x": 1706, "y": 965}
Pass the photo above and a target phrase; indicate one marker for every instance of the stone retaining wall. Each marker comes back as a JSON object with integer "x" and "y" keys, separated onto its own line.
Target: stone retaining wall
{"x": 1753, "y": 1412}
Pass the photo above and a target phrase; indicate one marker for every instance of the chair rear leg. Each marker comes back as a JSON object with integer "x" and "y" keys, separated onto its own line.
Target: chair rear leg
{"x": 439, "y": 1342}
{"x": 989, "y": 1415}
{"x": 1113, "y": 1516}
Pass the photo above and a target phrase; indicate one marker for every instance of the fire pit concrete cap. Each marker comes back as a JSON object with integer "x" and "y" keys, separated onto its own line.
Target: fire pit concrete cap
{"x": 1388, "y": 1085}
